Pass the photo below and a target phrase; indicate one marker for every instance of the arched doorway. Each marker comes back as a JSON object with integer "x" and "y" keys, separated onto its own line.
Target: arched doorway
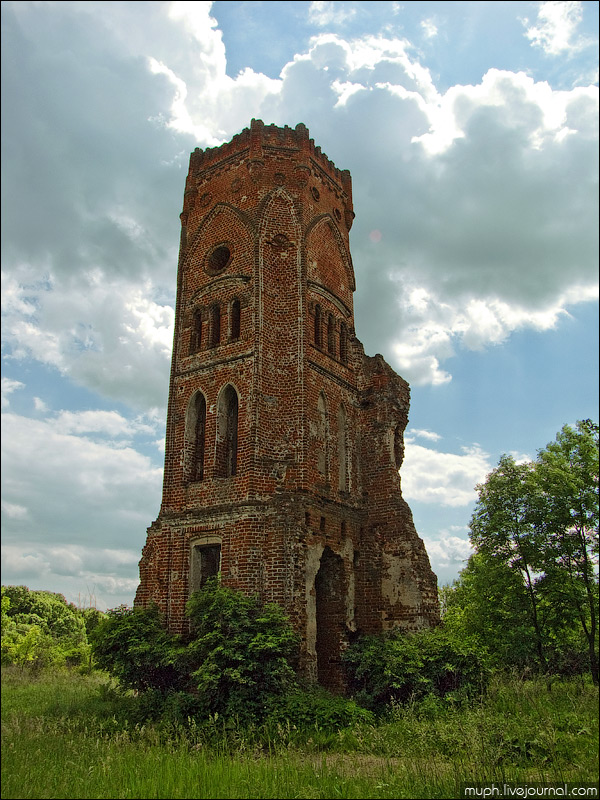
{"x": 329, "y": 589}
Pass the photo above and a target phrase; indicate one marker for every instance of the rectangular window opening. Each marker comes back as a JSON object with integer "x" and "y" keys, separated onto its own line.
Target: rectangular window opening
{"x": 205, "y": 564}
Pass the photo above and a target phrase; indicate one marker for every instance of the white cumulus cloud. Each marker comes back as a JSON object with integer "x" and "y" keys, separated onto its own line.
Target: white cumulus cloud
{"x": 555, "y": 30}
{"x": 447, "y": 479}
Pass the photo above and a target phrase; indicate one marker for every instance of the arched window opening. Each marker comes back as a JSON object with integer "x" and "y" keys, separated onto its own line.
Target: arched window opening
{"x": 236, "y": 320}
{"x": 342, "y": 450}
{"x": 196, "y": 336}
{"x": 227, "y": 434}
{"x": 195, "y": 439}
{"x": 331, "y": 334}
{"x": 318, "y": 323}
{"x": 215, "y": 325}
{"x": 322, "y": 435}
{"x": 343, "y": 343}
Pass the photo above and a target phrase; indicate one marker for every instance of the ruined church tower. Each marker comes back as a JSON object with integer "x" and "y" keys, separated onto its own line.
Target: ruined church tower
{"x": 283, "y": 440}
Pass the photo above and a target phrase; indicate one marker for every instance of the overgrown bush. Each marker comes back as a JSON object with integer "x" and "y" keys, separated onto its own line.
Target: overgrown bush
{"x": 133, "y": 645}
{"x": 398, "y": 667}
{"x": 317, "y": 709}
{"x": 241, "y": 652}
{"x": 238, "y": 655}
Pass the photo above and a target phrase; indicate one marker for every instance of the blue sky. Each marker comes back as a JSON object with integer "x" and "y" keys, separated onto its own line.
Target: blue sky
{"x": 471, "y": 133}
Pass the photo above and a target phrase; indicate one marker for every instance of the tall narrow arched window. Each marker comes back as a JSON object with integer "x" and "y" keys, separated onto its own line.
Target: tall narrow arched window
{"x": 331, "y": 334}
{"x": 343, "y": 343}
{"x": 236, "y": 320}
{"x": 227, "y": 434}
{"x": 195, "y": 439}
{"x": 215, "y": 325}
{"x": 196, "y": 335}
{"x": 322, "y": 435}
{"x": 318, "y": 323}
{"x": 342, "y": 450}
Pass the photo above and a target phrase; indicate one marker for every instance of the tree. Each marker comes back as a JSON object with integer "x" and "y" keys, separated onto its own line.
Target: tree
{"x": 567, "y": 475}
{"x": 40, "y": 628}
{"x": 503, "y": 529}
{"x": 62, "y": 620}
{"x": 400, "y": 666}
{"x": 490, "y": 603}
{"x": 538, "y": 522}
{"x": 236, "y": 658}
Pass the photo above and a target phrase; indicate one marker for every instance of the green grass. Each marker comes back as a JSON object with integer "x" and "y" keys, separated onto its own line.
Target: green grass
{"x": 69, "y": 736}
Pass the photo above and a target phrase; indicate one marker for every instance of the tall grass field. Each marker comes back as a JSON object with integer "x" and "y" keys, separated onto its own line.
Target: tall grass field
{"x": 66, "y": 735}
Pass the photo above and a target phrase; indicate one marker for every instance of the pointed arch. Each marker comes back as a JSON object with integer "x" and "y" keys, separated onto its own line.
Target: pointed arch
{"x": 196, "y": 332}
{"x": 330, "y": 591}
{"x": 195, "y": 438}
{"x": 343, "y": 342}
{"x": 282, "y": 198}
{"x": 222, "y": 217}
{"x": 226, "y": 451}
{"x": 331, "y": 233}
{"x": 235, "y": 320}
{"x": 215, "y": 325}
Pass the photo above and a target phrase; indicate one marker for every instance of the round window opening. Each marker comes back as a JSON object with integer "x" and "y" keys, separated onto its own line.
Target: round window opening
{"x": 219, "y": 258}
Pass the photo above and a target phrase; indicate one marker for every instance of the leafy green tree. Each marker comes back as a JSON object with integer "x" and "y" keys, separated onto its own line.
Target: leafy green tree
{"x": 40, "y": 628}
{"x": 537, "y": 522}
{"x": 237, "y": 657}
{"x": 489, "y": 602}
{"x": 25, "y": 648}
{"x": 92, "y": 617}
{"x": 241, "y": 652}
{"x": 503, "y": 529}
{"x": 9, "y": 630}
{"x": 56, "y": 617}
{"x": 567, "y": 474}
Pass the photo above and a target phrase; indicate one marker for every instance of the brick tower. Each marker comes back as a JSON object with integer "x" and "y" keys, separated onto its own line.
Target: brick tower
{"x": 283, "y": 440}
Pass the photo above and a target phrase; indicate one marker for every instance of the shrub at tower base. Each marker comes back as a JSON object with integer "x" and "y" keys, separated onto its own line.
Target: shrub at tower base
{"x": 239, "y": 654}
{"x": 239, "y": 661}
{"x": 396, "y": 667}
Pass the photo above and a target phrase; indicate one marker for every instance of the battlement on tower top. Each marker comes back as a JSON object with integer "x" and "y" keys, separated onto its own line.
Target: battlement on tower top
{"x": 259, "y": 136}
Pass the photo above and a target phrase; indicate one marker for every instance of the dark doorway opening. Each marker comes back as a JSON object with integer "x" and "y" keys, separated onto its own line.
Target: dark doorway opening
{"x": 329, "y": 588}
